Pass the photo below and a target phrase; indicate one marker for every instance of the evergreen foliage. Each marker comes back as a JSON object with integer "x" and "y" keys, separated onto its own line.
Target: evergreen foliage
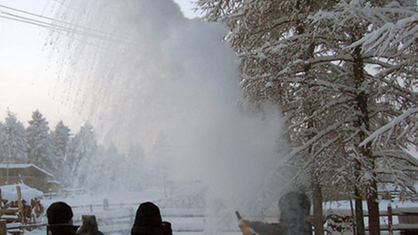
{"x": 60, "y": 140}
{"x": 81, "y": 149}
{"x": 39, "y": 140}
{"x": 76, "y": 161}
{"x": 14, "y": 144}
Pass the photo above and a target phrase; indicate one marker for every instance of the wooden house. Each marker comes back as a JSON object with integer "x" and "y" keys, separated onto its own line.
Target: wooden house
{"x": 29, "y": 174}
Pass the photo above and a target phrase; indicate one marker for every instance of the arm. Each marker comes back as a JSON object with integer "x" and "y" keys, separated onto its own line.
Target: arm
{"x": 264, "y": 228}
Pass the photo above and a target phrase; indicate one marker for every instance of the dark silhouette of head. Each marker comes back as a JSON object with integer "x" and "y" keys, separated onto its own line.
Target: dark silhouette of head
{"x": 59, "y": 213}
{"x": 148, "y": 214}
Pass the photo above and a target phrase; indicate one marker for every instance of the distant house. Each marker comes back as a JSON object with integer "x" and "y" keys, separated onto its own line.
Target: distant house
{"x": 390, "y": 191}
{"x": 29, "y": 174}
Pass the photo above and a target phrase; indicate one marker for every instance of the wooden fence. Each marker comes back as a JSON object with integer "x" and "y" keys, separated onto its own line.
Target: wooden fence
{"x": 401, "y": 220}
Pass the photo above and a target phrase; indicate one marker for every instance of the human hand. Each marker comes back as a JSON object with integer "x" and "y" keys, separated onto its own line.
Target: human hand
{"x": 244, "y": 222}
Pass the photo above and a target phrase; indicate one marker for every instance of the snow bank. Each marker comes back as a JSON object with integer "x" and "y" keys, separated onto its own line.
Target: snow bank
{"x": 9, "y": 192}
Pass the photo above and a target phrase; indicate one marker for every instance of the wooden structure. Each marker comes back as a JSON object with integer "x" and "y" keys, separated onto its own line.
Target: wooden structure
{"x": 17, "y": 215}
{"x": 341, "y": 221}
{"x": 408, "y": 221}
{"x": 29, "y": 174}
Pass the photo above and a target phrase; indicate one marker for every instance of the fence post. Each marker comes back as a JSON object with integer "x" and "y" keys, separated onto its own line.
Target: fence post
{"x": 390, "y": 220}
{"x": 105, "y": 204}
{"x": 20, "y": 204}
{"x": 91, "y": 208}
{"x": 3, "y": 228}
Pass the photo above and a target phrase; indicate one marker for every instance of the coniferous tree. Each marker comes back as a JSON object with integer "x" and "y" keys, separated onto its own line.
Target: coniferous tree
{"x": 95, "y": 166}
{"x": 15, "y": 144}
{"x": 2, "y": 138}
{"x": 39, "y": 140}
{"x": 81, "y": 149}
{"x": 60, "y": 140}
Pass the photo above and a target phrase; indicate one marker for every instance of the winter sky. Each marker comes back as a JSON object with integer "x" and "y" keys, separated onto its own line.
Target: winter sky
{"x": 27, "y": 76}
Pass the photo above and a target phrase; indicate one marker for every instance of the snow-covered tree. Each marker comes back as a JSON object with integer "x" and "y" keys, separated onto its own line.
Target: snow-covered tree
{"x": 110, "y": 161}
{"x": 14, "y": 143}
{"x": 2, "y": 138}
{"x": 273, "y": 39}
{"x": 95, "y": 181}
{"x": 135, "y": 164}
{"x": 384, "y": 87}
{"x": 303, "y": 56}
{"x": 39, "y": 140}
{"x": 60, "y": 140}
{"x": 81, "y": 149}
{"x": 123, "y": 171}
{"x": 396, "y": 39}
{"x": 61, "y": 137}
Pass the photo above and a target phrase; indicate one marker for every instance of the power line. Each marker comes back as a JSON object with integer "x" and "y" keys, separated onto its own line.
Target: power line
{"x": 47, "y": 25}
{"x": 57, "y": 24}
{"x": 56, "y": 20}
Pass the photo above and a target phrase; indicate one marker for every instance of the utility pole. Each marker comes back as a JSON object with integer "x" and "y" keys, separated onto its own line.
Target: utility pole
{"x": 8, "y": 161}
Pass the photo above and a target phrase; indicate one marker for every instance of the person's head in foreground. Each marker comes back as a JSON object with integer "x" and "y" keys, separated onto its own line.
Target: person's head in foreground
{"x": 59, "y": 213}
{"x": 60, "y": 219}
{"x": 148, "y": 221}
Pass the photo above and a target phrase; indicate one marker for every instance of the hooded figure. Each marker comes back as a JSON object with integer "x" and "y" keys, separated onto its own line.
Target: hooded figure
{"x": 60, "y": 219}
{"x": 295, "y": 214}
{"x": 294, "y": 217}
{"x": 148, "y": 221}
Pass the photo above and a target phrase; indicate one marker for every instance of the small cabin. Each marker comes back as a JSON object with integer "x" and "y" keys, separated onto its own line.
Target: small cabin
{"x": 29, "y": 174}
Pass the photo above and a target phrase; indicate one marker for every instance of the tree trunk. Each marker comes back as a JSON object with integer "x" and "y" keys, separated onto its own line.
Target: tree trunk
{"x": 364, "y": 124}
{"x": 318, "y": 220}
{"x": 359, "y": 211}
{"x": 373, "y": 207}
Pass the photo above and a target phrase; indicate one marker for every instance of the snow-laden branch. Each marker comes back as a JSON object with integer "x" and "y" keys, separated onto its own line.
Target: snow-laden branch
{"x": 403, "y": 33}
{"x": 309, "y": 143}
{"x": 397, "y": 154}
{"x": 389, "y": 126}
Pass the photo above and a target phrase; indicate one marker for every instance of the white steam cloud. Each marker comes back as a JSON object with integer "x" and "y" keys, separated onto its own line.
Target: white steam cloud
{"x": 165, "y": 75}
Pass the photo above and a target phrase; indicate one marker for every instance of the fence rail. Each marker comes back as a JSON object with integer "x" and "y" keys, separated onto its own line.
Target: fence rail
{"x": 407, "y": 220}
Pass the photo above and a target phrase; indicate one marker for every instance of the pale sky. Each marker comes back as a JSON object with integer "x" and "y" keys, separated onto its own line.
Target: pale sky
{"x": 26, "y": 71}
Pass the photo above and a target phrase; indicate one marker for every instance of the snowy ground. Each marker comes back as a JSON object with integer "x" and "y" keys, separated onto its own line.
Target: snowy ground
{"x": 117, "y": 217}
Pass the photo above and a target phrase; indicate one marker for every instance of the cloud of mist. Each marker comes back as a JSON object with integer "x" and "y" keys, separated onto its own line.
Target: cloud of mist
{"x": 166, "y": 74}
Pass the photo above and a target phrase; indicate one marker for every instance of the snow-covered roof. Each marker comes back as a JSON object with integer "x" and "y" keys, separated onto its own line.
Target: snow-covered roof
{"x": 23, "y": 166}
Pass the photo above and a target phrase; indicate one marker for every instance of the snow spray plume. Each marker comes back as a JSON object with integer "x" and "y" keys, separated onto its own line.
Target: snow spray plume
{"x": 165, "y": 78}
